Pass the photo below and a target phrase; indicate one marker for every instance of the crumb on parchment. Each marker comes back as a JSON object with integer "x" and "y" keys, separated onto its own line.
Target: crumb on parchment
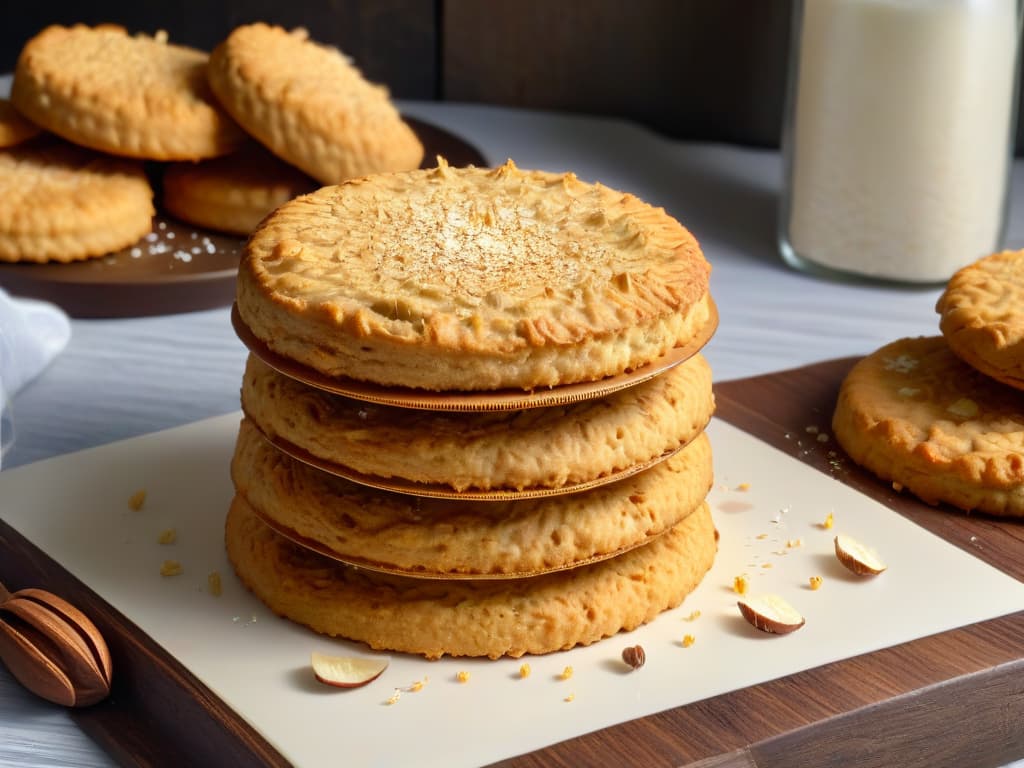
{"x": 137, "y": 500}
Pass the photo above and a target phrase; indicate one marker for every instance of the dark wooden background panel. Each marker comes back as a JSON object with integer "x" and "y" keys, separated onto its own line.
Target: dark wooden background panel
{"x": 686, "y": 67}
{"x": 393, "y": 41}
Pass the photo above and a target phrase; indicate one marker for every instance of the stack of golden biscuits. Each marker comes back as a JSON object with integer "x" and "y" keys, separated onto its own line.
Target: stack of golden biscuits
{"x": 943, "y": 416}
{"x": 518, "y": 462}
{"x": 233, "y": 135}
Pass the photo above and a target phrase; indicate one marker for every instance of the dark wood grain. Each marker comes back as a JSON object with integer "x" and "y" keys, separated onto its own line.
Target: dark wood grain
{"x": 952, "y": 699}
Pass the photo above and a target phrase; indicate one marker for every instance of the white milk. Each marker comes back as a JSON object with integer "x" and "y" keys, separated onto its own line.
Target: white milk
{"x": 901, "y": 119}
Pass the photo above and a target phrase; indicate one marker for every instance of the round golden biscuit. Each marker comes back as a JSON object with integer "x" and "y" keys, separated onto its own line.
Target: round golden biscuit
{"x": 309, "y": 105}
{"x": 61, "y": 202}
{"x": 508, "y": 617}
{"x": 509, "y": 450}
{"x": 472, "y": 279}
{"x": 917, "y": 415}
{"x": 135, "y": 96}
{"x": 233, "y": 193}
{"x": 982, "y": 316}
{"x": 482, "y": 538}
{"x": 14, "y": 128}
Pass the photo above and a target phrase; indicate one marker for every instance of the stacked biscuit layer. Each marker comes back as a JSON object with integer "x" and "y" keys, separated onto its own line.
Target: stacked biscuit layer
{"x": 942, "y": 416}
{"x": 553, "y": 526}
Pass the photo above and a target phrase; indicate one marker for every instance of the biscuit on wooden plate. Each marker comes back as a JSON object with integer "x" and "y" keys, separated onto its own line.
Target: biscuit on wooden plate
{"x": 917, "y": 415}
{"x": 536, "y": 448}
{"x": 982, "y": 316}
{"x": 488, "y": 538}
{"x": 61, "y": 202}
{"x": 504, "y": 617}
{"x": 472, "y": 279}
{"x": 14, "y": 128}
{"x": 232, "y": 193}
{"x": 136, "y": 96}
{"x": 309, "y": 105}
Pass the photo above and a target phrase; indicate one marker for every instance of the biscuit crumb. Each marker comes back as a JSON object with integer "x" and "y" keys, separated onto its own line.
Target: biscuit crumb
{"x": 739, "y": 585}
{"x": 171, "y": 568}
{"x": 394, "y": 697}
{"x": 417, "y": 686}
{"x": 688, "y": 640}
{"x": 794, "y": 543}
{"x": 766, "y": 565}
{"x": 524, "y": 671}
{"x": 168, "y": 536}
{"x": 571, "y": 696}
{"x": 137, "y": 500}
{"x": 743, "y": 487}
{"x": 828, "y": 522}
{"x": 822, "y": 437}
{"x": 213, "y": 583}
{"x": 898, "y": 487}
{"x": 811, "y": 429}
{"x": 815, "y": 582}
{"x": 566, "y": 674}
{"x": 462, "y": 676}
{"x": 694, "y": 615}
{"x": 762, "y": 536}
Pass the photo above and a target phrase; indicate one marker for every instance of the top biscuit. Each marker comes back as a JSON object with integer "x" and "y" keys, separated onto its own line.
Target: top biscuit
{"x": 309, "y": 105}
{"x": 982, "y": 316}
{"x": 132, "y": 96}
{"x": 14, "y": 128}
{"x": 472, "y": 279}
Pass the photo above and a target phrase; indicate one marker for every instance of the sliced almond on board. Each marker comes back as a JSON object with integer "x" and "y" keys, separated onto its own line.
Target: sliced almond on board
{"x": 857, "y": 558}
{"x": 770, "y": 613}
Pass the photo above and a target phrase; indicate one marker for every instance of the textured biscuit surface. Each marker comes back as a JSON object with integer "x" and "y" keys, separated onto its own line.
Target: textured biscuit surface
{"x": 493, "y": 618}
{"x": 440, "y": 536}
{"x": 232, "y": 193}
{"x": 14, "y": 128}
{"x": 309, "y": 105}
{"x": 542, "y": 447}
{"x": 982, "y": 316}
{"x": 915, "y": 414}
{"x": 133, "y": 96}
{"x": 472, "y": 279}
{"x": 60, "y": 202}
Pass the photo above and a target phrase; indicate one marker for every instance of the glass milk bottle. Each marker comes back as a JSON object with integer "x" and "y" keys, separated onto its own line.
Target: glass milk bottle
{"x": 898, "y": 139}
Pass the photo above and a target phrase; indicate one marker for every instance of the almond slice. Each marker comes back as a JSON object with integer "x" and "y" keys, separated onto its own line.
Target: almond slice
{"x": 770, "y": 613}
{"x": 346, "y": 671}
{"x": 857, "y": 558}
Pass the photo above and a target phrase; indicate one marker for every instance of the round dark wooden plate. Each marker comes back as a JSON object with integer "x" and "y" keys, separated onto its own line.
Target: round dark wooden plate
{"x": 178, "y": 267}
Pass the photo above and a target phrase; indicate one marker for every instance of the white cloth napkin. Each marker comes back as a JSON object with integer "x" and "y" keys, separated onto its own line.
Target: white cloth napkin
{"x": 32, "y": 333}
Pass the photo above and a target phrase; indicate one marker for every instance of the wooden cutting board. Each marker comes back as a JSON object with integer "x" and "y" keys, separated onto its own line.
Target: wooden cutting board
{"x": 956, "y": 698}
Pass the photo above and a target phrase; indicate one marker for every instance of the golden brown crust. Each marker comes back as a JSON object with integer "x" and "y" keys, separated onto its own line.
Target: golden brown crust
{"x": 472, "y": 279}
{"x": 915, "y": 414}
{"x": 60, "y": 202}
{"x": 982, "y": 316}
{"x": 132, "y": 96}
{"x": 309, "y": 105}
{"x": 443, "y": 536}
{"x": 233, "y": 193}
{"x": 14, "y": 128}
{"x": 471, "y": 618}
{"x": 538, "y": 448}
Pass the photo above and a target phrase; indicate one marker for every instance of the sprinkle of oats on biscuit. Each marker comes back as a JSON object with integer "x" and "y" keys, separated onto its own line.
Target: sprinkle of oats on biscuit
{"x": 566, "y": 674}
{"x": 829, "y": 521}
{"x": 137, "y": 499}
{"x": 462, "y": 676}
{"x": 965, "y": 408}
{"x": 168, "y": 536}
{"x": 213, "y": 583}
{"x": 171, "y": 568}
{"x": 743, "y": 487}
{"x": 740, "y": 585}
{"x": 815, "y": 582}
{"x": 524, "y": 671}
{"x": 688, "y": 640}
